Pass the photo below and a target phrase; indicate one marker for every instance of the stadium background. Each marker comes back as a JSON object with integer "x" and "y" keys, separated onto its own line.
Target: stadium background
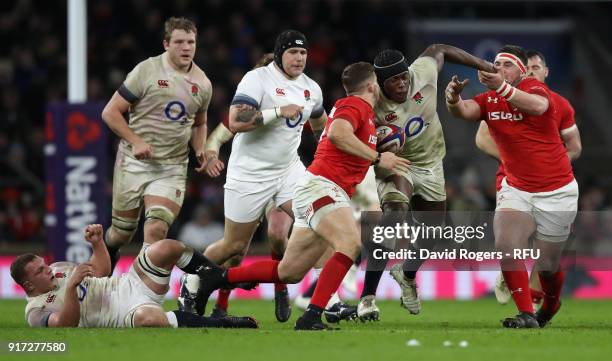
{"x": 233, "y": 35}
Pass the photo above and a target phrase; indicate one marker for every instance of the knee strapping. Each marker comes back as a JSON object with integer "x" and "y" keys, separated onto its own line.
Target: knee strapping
{"x": 124, "y": 226}
{"x": 159, "y": 212}
{"x": 159, "y": 275}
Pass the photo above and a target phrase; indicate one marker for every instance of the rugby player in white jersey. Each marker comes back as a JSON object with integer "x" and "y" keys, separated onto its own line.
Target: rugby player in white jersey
{"x": 268, "y": 113}
{"x": 279, "y": 225}
{"x": 409, "y": 100}
{"x": 64, "y": 294}
{"x": 167, "y": 97}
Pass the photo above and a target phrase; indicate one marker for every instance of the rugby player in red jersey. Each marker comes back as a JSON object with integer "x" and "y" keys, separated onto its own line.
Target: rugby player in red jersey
{"x": 536, "y": 68}
{"x": 322, "y": 209}
{"x": 539, "y": 193}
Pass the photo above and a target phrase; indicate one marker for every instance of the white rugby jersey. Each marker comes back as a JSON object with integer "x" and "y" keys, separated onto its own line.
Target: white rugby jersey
{"x": 269, "y": 151}
{"x": 97, "y": 297}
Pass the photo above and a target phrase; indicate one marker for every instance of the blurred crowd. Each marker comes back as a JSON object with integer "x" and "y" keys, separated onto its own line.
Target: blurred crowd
{"x": 232, "y": 36}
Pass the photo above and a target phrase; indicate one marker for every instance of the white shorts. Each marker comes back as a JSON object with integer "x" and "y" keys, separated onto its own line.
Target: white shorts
{"x": 122, "y": 297}
{"x": 314, "y": 198}
{"x": 426, "y": 182}
{"x": 133, "y": 179}
{"x": 246, "y": 201}
{"x": 133, "y": 293}
{"x": 553, "y": 211}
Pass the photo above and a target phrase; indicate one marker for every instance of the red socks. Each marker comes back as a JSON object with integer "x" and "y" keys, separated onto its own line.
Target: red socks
{"x": 223, "y": 299}
{"x": 551, "y": 285}
{"x": 330, "y": 279}
{"x": 278, "y": 286}
{"x": 260, "y": 272}
{"x": 517, "y": 279}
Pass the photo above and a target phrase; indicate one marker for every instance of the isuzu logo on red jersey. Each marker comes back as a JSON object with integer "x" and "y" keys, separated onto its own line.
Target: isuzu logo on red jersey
{"x": 505, "y": 116}
{"x": 162, "y": 83}
{"x": 280, "y": 92}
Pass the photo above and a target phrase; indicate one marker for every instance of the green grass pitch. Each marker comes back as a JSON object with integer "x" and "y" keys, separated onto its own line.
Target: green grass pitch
{"x": 582, "y": 331}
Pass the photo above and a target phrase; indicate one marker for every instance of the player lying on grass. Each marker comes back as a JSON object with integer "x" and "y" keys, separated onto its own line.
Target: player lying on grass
{"x": 64, "y": 294}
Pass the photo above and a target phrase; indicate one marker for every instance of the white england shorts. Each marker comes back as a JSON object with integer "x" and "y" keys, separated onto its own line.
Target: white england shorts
{"x": 553, "y": 211}
{"x": 314, "y": 198}
{"x": 246, "y": 202}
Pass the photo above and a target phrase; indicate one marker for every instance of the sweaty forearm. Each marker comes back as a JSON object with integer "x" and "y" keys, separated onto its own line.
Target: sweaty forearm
{"x": 349, "y": 143}
{"x": 456, "y": 55}
{"x": 100, "y": 260}
{"x": 198, "y": 137}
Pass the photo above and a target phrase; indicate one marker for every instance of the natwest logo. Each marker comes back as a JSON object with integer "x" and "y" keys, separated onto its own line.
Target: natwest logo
{"x": 280, "y": 92}
{"x": 505, "y": 116}
{"x": 81, "y": 131}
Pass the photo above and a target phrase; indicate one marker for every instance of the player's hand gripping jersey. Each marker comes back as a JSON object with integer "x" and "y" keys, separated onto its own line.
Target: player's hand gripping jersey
{"x": 164, "y": 103}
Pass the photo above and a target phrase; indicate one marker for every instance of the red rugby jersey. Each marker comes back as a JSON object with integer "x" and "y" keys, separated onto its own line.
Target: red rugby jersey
{"x": 530, "y": 147}
{"x": 330, "y": 162}
{"x": 565, "y": 119}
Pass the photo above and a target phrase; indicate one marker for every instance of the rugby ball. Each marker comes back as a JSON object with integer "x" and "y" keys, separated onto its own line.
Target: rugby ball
{"x": 390, "y": 138}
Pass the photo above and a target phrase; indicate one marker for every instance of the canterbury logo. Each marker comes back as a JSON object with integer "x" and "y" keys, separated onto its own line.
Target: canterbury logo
{"x": 299, "y": 42}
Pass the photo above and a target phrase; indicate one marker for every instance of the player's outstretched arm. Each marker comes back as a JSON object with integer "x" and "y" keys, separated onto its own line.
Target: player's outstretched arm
{"x": 459, "y": 108}
{"x": 100, "y": 260}
{"x": 485, "y": 142}
{"x": 219, "y": 136}
{"x": 443, "y": 52}
{"x": 318, "y": 125}
{"x": 529, "y": 103}
{"x": 113, "y": 117}
{"x": 70, "y": 313}
{"x": 245, "y": 118}
{"x": 198, "y": 138}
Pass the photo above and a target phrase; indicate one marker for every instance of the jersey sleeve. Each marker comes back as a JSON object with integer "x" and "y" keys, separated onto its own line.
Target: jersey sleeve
{"x": 425, "y": 71}
{"x": 318, "y": 109}
{"x": 350, "y": 114}
{"x": 249, "y": 91}
{"x": 133, "y": 88}
{"x": 38, "y": 317}
{"x": 481, "y": 100}
{"x": 207, "y": 95}
{"x": 537, "y": 88}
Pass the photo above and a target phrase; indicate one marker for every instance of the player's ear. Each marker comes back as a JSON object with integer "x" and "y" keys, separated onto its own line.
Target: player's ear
{"x": 28, "y": 286}
{"x": 166, "y": 44}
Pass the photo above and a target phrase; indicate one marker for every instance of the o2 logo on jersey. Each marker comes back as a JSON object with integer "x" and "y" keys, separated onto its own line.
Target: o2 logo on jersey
{"x": 297, "y": 121}
{"x": 415, "y": 127}
{"x": 175, "y": 110}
